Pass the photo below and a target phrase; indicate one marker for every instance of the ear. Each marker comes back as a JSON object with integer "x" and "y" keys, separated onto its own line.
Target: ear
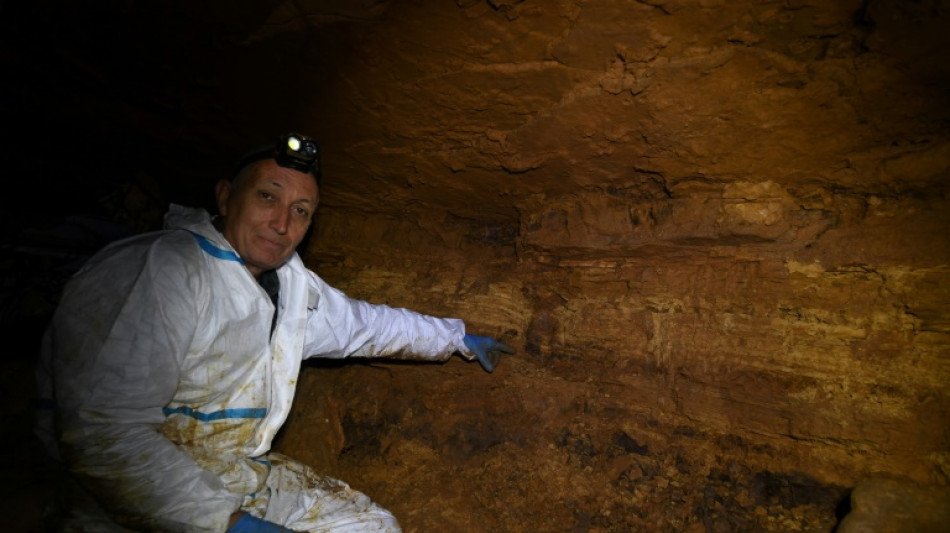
{"x": 222, "y": 191}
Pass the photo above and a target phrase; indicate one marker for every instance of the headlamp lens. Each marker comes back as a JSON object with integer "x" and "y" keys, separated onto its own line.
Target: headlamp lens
{"x": 293, "y": 143}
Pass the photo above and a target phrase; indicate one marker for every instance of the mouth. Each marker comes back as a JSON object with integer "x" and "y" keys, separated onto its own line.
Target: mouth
{"x": 272, "y": 244}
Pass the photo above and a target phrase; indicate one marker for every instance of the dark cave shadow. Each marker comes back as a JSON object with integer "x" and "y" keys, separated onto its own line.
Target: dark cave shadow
{"x": 842, "y": 510}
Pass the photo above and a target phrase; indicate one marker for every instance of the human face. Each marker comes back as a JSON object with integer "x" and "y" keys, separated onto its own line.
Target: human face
{"x": 265, "y": 214}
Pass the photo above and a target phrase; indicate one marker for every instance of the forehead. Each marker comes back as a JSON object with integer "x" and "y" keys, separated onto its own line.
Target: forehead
{"x": 267, "y": 173}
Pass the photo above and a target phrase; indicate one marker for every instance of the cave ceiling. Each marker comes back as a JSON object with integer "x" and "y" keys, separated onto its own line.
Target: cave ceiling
{"x": 475, "y": 108}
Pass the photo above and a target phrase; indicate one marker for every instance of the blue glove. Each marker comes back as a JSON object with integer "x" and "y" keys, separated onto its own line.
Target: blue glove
{"x": 487, "y": 350}
{"x": 248, "y": 523}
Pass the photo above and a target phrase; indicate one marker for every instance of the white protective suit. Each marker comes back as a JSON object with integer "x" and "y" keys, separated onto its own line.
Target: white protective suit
{"x": 169, "y": 384}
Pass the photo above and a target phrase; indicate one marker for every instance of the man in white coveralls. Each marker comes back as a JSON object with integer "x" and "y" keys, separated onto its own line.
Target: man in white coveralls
{"x": 172, "y": 359}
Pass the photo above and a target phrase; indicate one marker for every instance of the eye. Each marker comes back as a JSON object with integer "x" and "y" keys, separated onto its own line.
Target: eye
{"x": 265, "y": 195}
{"x": 300, "y": 211}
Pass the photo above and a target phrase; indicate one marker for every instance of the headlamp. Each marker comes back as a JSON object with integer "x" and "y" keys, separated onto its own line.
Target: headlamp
{"x": 298, "y": 152}
{"x": 292, "y": 150}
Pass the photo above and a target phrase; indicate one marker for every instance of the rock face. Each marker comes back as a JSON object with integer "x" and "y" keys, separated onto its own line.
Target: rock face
{"x": 885, "y": 505}
{"x": 716, "y": 232}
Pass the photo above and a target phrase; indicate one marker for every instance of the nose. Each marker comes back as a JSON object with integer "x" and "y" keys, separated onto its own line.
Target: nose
{"x": 280, "y": 221}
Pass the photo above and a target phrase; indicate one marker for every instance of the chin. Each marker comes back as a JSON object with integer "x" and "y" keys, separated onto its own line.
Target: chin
{"x": 269, "y": 261}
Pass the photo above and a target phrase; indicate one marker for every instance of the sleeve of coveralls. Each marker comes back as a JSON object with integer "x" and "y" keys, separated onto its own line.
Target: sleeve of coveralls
{"x": 340, "y": 326}
{"x": 118, "y": 347}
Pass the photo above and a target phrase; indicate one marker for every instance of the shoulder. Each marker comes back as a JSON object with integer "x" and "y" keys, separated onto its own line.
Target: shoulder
{"x": 163, "y": 257}
{"x": 165, "y": 246}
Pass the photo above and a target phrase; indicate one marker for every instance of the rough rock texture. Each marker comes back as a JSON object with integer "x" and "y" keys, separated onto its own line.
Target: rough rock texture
{"x": 883, "y": 505}
{"x": 716, "y": 232}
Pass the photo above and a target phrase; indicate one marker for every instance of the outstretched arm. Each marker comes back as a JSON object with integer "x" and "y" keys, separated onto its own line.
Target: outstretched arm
{"x": 339, "y": 326}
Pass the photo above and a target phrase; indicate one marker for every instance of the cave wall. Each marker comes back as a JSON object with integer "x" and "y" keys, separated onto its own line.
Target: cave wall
{"x": 715, "y": 230}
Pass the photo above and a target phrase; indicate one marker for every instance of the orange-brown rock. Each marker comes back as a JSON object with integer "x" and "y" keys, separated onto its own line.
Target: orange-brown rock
{"x": 716, "y": 232}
